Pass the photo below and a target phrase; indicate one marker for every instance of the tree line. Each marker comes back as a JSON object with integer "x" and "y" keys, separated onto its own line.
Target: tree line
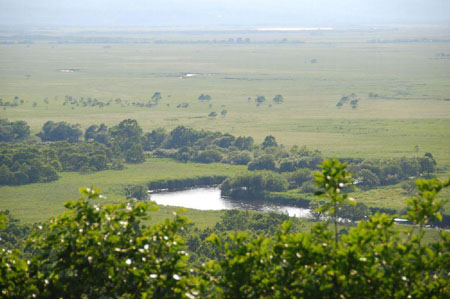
{"x": 126, "y": 142}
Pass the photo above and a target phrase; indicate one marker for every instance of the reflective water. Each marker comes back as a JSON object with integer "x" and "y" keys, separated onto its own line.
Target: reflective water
{"x": 210, "y": 199}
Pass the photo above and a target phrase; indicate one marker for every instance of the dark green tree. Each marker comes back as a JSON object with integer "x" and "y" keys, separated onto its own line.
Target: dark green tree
{"x": 6, "y": 176}
{"x": 97, "y": 134}
{"x": 98, "y": 162}
{"x": 259, "y": 100}
{"x": 135, "y": 154}
{"x": 278, "y": 99}
{"x": 126, "y": 134}
{"x": 269, "y": 141}
{"x": 154, "y": 139}
{"x": 244, "y": 143}
{"x": 59, "y": 131}
{"x": 427, "y": 166}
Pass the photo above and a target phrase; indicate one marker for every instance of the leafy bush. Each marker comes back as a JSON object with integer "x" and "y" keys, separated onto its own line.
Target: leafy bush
{"x": 240, "y": 158}
{"x": 93, "y": 251}
{"x": 209, "y": 156}
{"x": 265, "y": 162}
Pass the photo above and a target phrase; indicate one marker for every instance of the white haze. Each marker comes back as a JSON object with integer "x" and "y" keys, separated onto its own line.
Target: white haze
{"x": 206, "y": 13}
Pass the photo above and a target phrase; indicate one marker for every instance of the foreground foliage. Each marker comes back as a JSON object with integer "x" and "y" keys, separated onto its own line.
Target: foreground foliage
{"x": 107, "y": 251}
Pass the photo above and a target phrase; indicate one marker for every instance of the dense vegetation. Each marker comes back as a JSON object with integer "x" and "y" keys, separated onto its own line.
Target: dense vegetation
{"x": 14, "y": 233}
{"x": 106, "y": 148}
{"x": 22, "y": 164}
{"x": 32, "y": 163}
{"x": 108, "y": 251}
{"x": 253, "y": 185}
{"x": 52, "y": 131}
{"x": 13, "y": 131}
{"x": 29, "y": 162}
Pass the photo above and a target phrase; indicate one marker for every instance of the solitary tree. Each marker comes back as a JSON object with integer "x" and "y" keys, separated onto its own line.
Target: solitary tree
{"x": 278, "y": 98}
{"x": 156, "y": 97}
{"x": 260, "y": 99}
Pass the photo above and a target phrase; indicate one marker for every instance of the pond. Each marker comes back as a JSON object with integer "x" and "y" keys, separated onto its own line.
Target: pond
{"x": 211, "y": 199}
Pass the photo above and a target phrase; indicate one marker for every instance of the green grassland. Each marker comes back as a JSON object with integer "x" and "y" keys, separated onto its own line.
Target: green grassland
{"x": 38, "y": 202}
{"x": 411, "y": 82}
{"x": 412, "y": 108}
{"x": 393, "y": 198}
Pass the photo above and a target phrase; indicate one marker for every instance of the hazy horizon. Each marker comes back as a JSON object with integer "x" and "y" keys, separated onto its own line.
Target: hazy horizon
{"x": 203, "y": 13}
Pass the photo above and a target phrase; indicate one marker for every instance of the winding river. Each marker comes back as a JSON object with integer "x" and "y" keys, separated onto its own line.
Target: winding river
{"x": 211, "y": 199}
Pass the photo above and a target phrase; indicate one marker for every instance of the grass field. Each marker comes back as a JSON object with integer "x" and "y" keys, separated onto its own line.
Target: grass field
{"x": 412, "y": 84}
{"x": 412, "y": 108}
{"x": 393, "y": 197}
{"x": 38, "y": 202}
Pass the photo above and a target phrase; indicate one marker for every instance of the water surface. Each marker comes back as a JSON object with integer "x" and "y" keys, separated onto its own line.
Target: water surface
{"x": 211, "y": 199}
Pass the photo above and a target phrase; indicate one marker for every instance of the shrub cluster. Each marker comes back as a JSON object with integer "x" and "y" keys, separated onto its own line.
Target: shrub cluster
{"x": 253, "y": 185}
{"x": 373, "y": 173}
{"x": 26, "y": 163}
{"x": 22, "y": 164}
{"x": 13, "y": 131}
{"x": 89, "y": 102}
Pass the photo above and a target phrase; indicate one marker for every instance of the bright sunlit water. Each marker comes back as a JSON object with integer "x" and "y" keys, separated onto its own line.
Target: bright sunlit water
{"x": 210, "y": 199}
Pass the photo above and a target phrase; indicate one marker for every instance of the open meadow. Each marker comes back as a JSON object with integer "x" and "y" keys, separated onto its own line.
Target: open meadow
{"x": 400, "y": 76}
{"x": 312, "y": 71}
